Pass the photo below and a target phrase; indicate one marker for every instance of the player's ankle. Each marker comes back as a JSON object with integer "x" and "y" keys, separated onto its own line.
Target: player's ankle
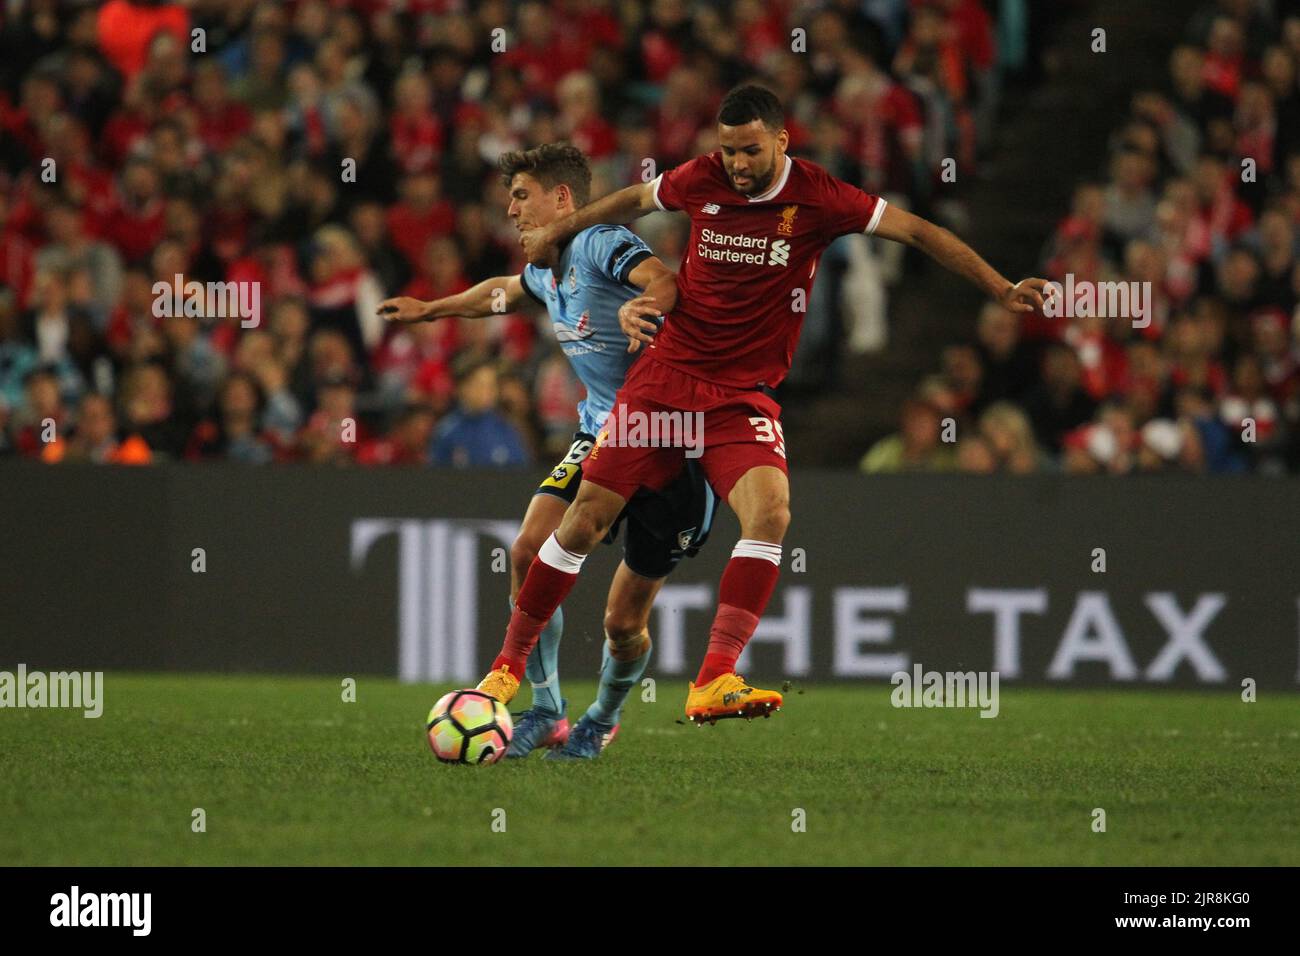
{"x": 516, "y": 666}
{"x": 714, "y": 666}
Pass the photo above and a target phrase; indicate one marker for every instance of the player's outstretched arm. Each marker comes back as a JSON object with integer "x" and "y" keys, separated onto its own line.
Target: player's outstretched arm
{"x": 617, "y": 208}
{"x": 660, "y": 295}
{"x": 953, "y": 254}
{"x": 490, "y": 297}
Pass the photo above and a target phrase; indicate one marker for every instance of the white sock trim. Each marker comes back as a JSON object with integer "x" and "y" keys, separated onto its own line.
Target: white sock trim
{"x": 552, "y": 552}
{"x": 763, "y": 550}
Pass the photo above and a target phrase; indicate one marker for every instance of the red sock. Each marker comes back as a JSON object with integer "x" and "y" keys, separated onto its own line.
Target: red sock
{"x": 746, "y": 587}
{"x": 544, "y": 589}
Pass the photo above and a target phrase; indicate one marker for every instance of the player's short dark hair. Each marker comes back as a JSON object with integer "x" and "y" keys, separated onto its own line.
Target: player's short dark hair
{"x": 550, "y": 164}
{"x": 747, "y": 103}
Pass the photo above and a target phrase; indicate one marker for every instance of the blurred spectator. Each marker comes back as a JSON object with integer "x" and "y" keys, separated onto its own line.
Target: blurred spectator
{"x": 93, "y": 440}
{"x": 333, "y": 433}
{"x": 975, "y": 456}
{"x": 421, "y": 215}
{"x": 236, "y": 433}
{"x": 17, "y": 258}
{"x": 1059, "y": 403}
{"x": 1130, "y": 205}
{"x": 916, "y": 446}
{"x": 145, "y": 411}
{"x": 406, "y": 444}
{"x": 62, "y": 332}
{"x": 71, "y": 247}
{"x": 1106, "y": 445}
{"x": 43, "y": 416}
{"x": 369, "y": 226}
{"x": 1009, "y": 363}
{"x": 344, "y": 294}
{"x": 475, "y": 434}
{"x": 17, "y": 356}
{"x": 1010, "y": 438}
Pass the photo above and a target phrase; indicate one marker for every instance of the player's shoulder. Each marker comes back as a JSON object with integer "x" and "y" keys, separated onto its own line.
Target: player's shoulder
{"x": 603, "y": 232}
{"x": 603, "y": 249}
{"x": 604, "y": 242}
{"x": 537, "y": 281}
{"x": 814, "y": 184}
{"x": 705, "y": 166}
{"x": 806, "y": 173}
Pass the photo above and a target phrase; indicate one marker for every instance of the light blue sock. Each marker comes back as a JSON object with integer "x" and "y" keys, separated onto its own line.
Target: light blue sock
{"x": 543, "y": 666}
{"x": 616, "y": 679}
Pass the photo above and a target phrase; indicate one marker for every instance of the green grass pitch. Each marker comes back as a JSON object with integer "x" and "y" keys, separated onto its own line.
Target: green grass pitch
{"x": 288, "y": 773}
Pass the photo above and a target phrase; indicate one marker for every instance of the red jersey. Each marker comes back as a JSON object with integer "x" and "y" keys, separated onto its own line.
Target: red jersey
{"x": 737, "y": 317}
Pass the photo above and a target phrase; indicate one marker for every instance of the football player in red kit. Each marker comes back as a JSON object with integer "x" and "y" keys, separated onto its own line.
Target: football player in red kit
{"x": 759, "y": 221}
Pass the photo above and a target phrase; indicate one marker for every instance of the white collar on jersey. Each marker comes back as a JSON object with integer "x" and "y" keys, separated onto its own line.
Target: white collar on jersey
{"x": 776, "y": 187}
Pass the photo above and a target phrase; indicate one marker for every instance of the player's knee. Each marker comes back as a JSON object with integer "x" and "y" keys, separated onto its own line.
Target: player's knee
{"x": 780, "y": 520}
{"x": 626, "y": 633}
{"x": 770, "y": 524}
{"x": 622, "y": 626}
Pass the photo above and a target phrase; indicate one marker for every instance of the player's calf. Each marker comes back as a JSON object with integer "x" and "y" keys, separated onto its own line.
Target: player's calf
{"x": 623, "y": 661}
{"x": 522, "y": 553}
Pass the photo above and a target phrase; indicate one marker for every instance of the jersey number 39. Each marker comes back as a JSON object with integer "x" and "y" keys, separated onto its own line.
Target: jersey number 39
{"x": 766, "y": 429}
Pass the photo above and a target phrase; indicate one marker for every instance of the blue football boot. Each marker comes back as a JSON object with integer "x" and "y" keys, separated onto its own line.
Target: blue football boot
{"x": 538, "y": 728}
{"x": 587, "y": 740}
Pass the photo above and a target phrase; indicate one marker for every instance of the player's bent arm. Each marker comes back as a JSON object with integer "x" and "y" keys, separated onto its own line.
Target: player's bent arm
{"x": 658, "y": 282}
{"x": 627, "y": 204}
{"x": 490, "y": 297}
{"x": 660, "y": 295}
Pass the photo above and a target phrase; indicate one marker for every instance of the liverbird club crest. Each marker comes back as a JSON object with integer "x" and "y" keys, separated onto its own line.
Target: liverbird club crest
{"x": 786, "y": 225}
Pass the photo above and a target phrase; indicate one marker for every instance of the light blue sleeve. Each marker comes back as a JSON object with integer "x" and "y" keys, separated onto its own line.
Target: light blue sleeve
{"x": 614, "y": 251}
{"x": 535, "y": 292}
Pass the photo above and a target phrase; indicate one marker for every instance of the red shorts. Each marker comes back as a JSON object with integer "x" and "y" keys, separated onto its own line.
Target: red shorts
{"x": 662, "y": 415}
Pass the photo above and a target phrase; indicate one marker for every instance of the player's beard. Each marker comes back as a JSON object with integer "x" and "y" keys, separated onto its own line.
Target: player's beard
{"x": 758, "y": 184}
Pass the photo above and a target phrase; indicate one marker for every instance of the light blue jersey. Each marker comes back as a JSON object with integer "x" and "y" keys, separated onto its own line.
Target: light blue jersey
{"x": 583, "y": 294}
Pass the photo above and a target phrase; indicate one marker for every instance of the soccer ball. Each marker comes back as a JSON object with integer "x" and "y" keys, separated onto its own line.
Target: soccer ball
{"x": 469, "y": 726}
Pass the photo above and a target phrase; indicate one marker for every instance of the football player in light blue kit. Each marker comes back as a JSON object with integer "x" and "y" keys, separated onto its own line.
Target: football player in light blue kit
{"x": 602, "y": 296}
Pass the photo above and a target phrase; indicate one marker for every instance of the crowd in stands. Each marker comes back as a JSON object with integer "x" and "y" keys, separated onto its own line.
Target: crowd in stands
{"x": 210, "y": 139}
{"x": 1200, "y": 199}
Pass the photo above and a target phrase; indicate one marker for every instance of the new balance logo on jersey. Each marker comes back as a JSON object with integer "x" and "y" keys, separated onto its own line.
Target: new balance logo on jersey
{"x": 711, "y": 208}
{"x": 779, "y": 254}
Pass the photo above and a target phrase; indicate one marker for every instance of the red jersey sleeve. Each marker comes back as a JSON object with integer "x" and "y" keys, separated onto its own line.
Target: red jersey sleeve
{"x": 847, "y": 209}
{"x": 671, "y": 188}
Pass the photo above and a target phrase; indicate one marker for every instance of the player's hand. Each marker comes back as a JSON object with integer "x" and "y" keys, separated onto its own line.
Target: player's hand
{"x": 632, "y": 320}
{"x": 1026, "y": 295}
{"x": 539, "y": 246}
{"x": 402, "y": 309}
